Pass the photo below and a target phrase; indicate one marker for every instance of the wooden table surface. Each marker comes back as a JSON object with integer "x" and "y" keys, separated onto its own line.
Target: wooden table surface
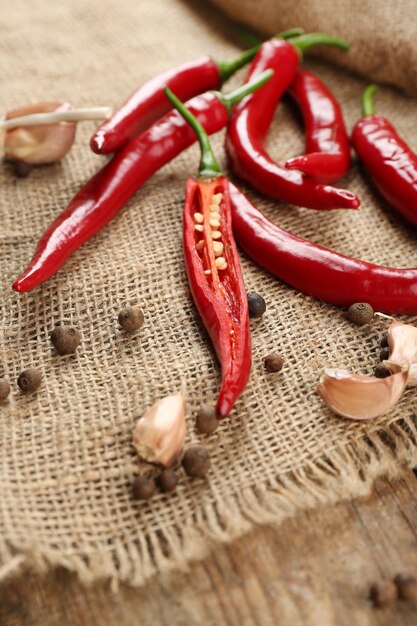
{"x": 314, "y": 570}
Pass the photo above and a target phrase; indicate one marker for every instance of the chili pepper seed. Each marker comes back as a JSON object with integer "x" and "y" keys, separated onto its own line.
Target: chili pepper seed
{"x": 143, "y": 488}
{"x": 214, "y": 223}
{"x": 199, "y": 228}
{"x": 167, "y": 480}
{"x": 218, "y": 248}
{"x": 196, "y": 462}
{"x": 360, "y": 313}
{"x": 4, "y": 389}
{"x": 131, "y": 318}
{"x": 29, "y": 380}
{"x": 383, "y": 593}
{"x": 207, "y": 421}
{"x": 199, "y": 218}
{"x": 221, "y": 263}
{"x": 200, "y": 244}
{"x": 216, "y": 234}
{"x": 273, "y": 362}
{"x": 256, "y": 304}
{"x": 65, "y": 339}
{"x": 217, "y": 198}
{"x": 406, "y": 586}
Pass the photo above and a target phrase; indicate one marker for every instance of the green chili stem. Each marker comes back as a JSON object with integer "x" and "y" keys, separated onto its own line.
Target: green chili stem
{"x": 368, "y": 105}
{"x": 208, "y": 163}
{"x": 232, "y": 98}
{"x": 228, "y": 68}
{"x": 303, "y": 42}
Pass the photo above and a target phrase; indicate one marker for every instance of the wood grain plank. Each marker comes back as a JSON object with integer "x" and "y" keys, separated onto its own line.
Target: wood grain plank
{"x": 313, "y": 570}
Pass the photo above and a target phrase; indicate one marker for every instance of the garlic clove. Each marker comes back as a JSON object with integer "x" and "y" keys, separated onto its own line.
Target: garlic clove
{"x": 360, "y": 397}
{"x": 402, "y": 341}
{"x": 159, "y": 435}
{"x": 39, "y": 144}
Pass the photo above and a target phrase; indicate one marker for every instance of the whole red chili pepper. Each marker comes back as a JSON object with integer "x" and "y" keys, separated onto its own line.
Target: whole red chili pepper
{"x": 102, "y": 197}
{"x": 327, "y": 142}
{"x": 148, "y": 103}
{"x": 318, "y": 271}
{"x": 250, "y": 122}
{"x": 213, "y": 268}
{"x": 389, "y": 160}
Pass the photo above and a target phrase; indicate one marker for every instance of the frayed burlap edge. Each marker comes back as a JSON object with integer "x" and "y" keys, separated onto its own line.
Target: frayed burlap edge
{"x": 348, "y": 472}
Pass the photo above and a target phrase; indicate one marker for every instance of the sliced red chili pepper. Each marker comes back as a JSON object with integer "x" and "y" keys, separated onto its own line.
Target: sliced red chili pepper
{"x": 103, "y": 196}
{"x": 327, "y": 142}
{"x": 388, "y": 159}
{"x": 249, "y": 125}
{"x": 213, "y": 268}
{"x": 318, "y": 271}
{"x": 148, "y": 103}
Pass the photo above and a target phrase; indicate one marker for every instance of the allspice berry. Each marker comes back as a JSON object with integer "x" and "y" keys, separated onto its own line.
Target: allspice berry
{"x": 406, "y": 586}
{"x": 381, "y": 371}
{"x": 167, "y": 480}
{"x": 207, "y": 421}
{"x": 22, "y": 169}
{"x": 256, "y": 305}
{"x": 4, "y": 389}
{"x": 383, "y": 593}
{"x": 131, "y": 318}
{"x": 196, "y": 461}
{"x": 384, "y": 342}
{"x": 360, "y": 313}
{"x": 65, "y": 339}
{"x": 29, "y": 380}
{"x": 143, "y": 488}
{"x": 273, "y": 362}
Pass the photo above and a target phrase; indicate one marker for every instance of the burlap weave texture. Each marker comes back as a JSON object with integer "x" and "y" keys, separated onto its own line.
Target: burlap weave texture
{"x": 66, "y": 460}
{"x": 381, "y": 34}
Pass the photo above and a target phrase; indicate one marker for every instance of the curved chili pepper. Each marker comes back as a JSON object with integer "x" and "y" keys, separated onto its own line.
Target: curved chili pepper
{"x": 389, "y": 160}
{"x": 249, "y": 125}
{"x": 102, "y": 197}
{"x": 148, "y": 103}
{"x": 327, "y": 142}
{"x": 318, "y": 271}
{"x": 213, "y": 268}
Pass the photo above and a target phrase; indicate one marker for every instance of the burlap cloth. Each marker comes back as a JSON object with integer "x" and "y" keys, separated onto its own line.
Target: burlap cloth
{"x": 65, "y": 452}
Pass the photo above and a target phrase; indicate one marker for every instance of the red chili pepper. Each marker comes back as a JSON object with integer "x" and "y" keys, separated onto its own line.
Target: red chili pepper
{"x": 102, "y": 197}
{"x": 389, "y": 160}
{"x": 213, "y": 268}
{"x": 148, "y": 103}
{"x": 318, "y": 271}
{"x": 327, "y": 142}
{"x": 250, "y": 122}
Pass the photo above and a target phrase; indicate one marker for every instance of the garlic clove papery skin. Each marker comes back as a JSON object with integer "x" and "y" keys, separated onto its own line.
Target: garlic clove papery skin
{"x": 360, "y": 397}
{"x": 402, "y": 341}
{"x": 39, "y": 144}
{"x": 159, "y": 435}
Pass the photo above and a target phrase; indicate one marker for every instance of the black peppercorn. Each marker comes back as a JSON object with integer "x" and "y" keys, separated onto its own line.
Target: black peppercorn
{"x": 256, "y": 305}
{"x": 273, "y": 362}
{"x": 131, "y": 318}
{"x": 383, "y": 593}
{"x": 406, "y": 586}
{"x": 65, "y": 339}
{"x": 196, "y": 461}
{"x": 167, "y": 480}
{"x": 4, "y": 389}
{"x": 381, "y": 371}
{"x": 207, "y": 421}
{"x": 360, "y": 313}
{"x": 143, "y": 488}
{"x": 29, "y": 380}
{"x": 384, "y": 342}
{"x": 384, "y": 354}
